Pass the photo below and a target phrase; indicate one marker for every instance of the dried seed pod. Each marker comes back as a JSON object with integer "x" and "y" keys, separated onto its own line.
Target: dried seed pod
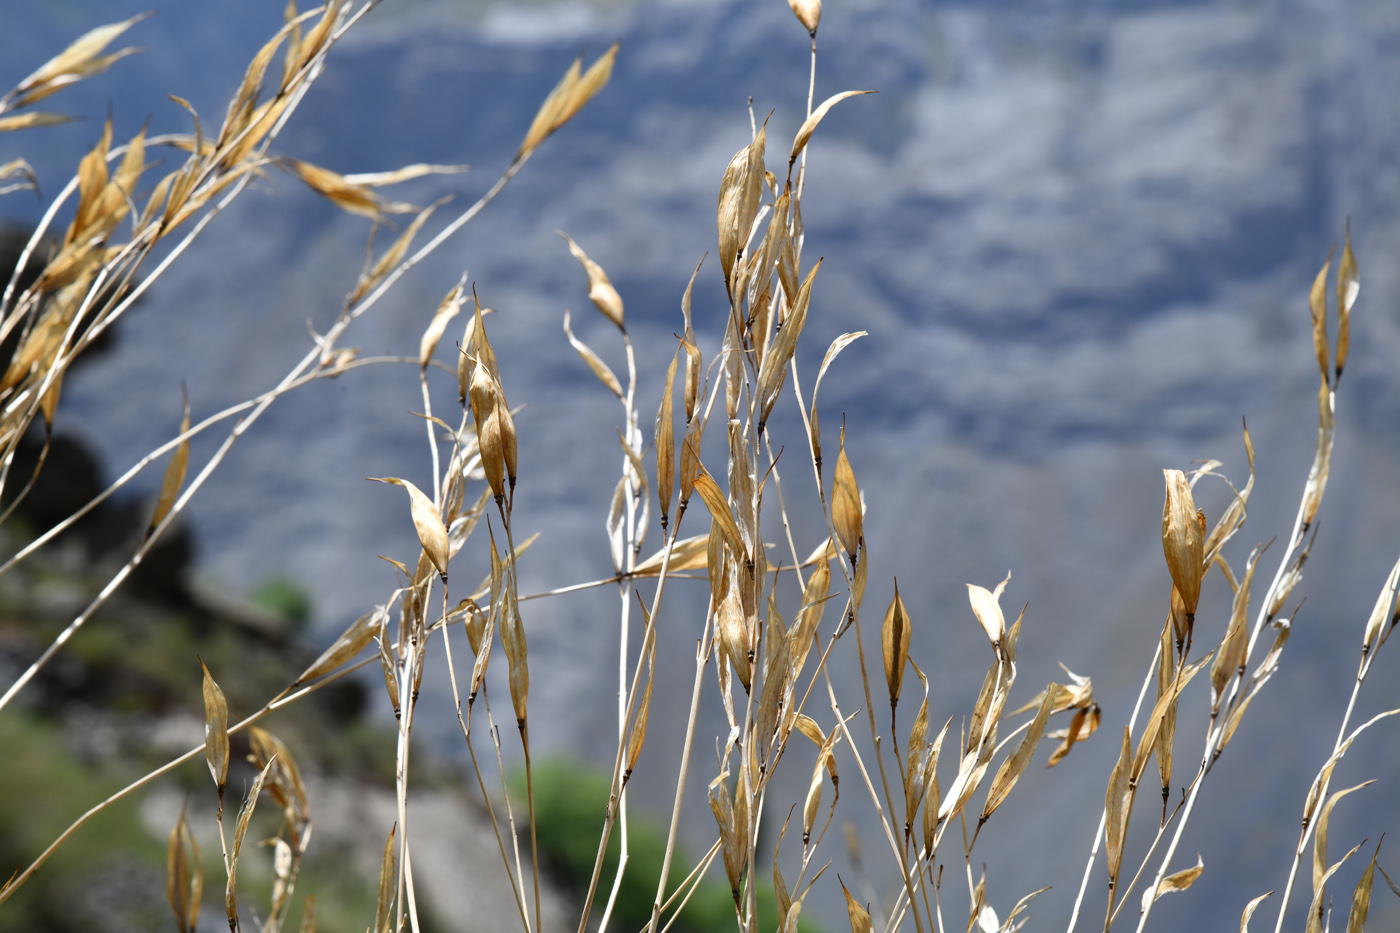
{"x": 739, "y": 193}
{"x": 808, "y": 13}
{"x": 184, "y": 876}
{"x": 432, "y": 533}
{"x": 986, "y": 606}
{"x": 215, "y": 732}
{"x": 1118, "y": 806}
{"x": 1348, "y": 285}
{"x": 600, "y": 288}
{"x": 859, "y": 916}
{"x": 567, "y": 98}
{"x": 1317, "y": 306}
{"x": 894, "y": 637}
{"x": 446, "y": 311}
{"x": 846, "y": 512}
{"x": 1183, "y": 541}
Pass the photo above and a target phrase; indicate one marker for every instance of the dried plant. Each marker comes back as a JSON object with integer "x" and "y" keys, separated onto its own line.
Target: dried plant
{"x": 766, "y": 642}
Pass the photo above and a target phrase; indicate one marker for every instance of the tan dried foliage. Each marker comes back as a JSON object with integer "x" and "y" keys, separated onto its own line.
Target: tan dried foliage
{"x": 739, "y": 194}
{"x": 846, "y": 512}
{"x": 432, "y": 533}
{"x": 215, "y": 731}
{"x": 859, "y": 916}
{"x": 1118, "y": 807}
{"x": 808, "y": 13}
{"x": 83, "y": 58}
{"x": 600, "y": 288}
{"x": 568, "y": 98}
{"x": 184, "y": 875}
{"x": 1176, "y": 881}
{"x": 986, "y": 606}
{"x": 388, "y": 872}
{"x": 895, "y": 634}
{"x": 1015, "y": 765}
{"x": 174, "y": 475}
{"x": 809, "y": 126}
{"x": 1183, "y": 540}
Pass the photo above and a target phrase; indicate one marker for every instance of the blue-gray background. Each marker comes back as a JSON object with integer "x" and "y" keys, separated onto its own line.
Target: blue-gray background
{"x": 1079, "y": 234}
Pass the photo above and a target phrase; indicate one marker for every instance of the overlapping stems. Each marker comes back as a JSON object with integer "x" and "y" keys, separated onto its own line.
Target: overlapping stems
{"x": 105, "y": 287}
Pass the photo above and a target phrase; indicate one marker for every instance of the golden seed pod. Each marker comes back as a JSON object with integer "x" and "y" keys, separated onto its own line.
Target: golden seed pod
{"x": 600, "y": 288}
{"x": 1183, "y": 540}
{"x": 808, "y": 13}
{"x": 894, "y": 635}
{"x": 845, "y": 502}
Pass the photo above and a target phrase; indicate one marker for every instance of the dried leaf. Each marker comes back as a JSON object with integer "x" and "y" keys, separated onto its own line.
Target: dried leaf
{"x": 24, "y": 121}
{"x": 894, "y": 637}
{"x": 79, "y": 60}
{"x": 416, "y": 170}
{"x": 215, "y": 731}
{"x": 388, "y": 872}
{"x": 720, "y": 512}
{"x": 1118, "y": 806}
{"x": 1361, "y": 896}
{"x": 432, "y": 533}
{"x": 1320, "y": 871}
{"x": 446, "y": 311}
{"x": 837, "y": 345}
{"x": 1249, "y": 910}
{"x": 21, "y": 169}
{"x": 809, "y": 125}
{"x": 1317, "y": 305}
{"x": 600, "y": 290}
{"x": 245, "y": 813}
{"x": 349, "y": 197}
{"x": 860, "y": 917}
{"x": 666, "y": 444}
{"x": 350, "y": 643}
{"x": 174, "y": 474}
{"x": 595, "y": 363}
{"x": 1176, "y": 881}
{"x": 1322, "y": 460}
{"x": 1318, "y": 903}
{"x": 393, "y": 255}
{"x": 986, "y": 605}
{"x": 1012, "y": 768}
{"x": 1230, "y": 658}
{"x": 184, "y": 876}
{"x": 1348, "y": 285}
{"x": 567, "y": 99}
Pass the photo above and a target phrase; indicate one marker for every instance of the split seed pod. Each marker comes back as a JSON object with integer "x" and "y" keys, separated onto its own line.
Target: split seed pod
{"x": 1183, "y": 541}
{"x": 215, "y": 732}
{"x": 808, "y": 13}
{"x": 600, "y": 288}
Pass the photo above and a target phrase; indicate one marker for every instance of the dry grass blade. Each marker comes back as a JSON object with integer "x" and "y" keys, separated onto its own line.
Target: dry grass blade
{"x": 665, "y": 435}
{"x": 215, "y": 732}
{"x": 174, "y": 473}
{"x": 388, "y": 871}
{"x": 245, "y": 813}
{"x": 859, "y": 916}
{"x": 81, "y": 59}
{"x": 517, "y": 656}
{"x": 184, "y": 876}
{"x": 1322, "y": 461}
{"x": 283, "y": 781}
{"x": 1361, "y": 897}
{"x": 350, "y": 643}
{"x": 449, "y": 307}
{"x": 600, "y": 369}
{"x": 721, "y": 513}
{"x": 26, "y": 121}
{"x": 1230, "y": 658}
{"x": 894, "y": 638}
{"x": 407, "y": 173}
{"x": 567, "y": 99}
{"x": 1348, "y": 286}
{"x": 432, "y": 533}
{"x": 837, "y": 345}
{"x": 986, "y": 606}
{"x": 393, "y": 255}
{"x": 353, "y": 198}
{"x": 600, "y": 288}
{"x": 1015, "y": 765}
{"x": 809, "y": 125}
{"x": 1249, "y": 910}
{"x": 18, "y": 168}
{"x": 1320, "y": 871}
{"x": 1176, "y": 881}
{"x": 1147, "y": 743}
{"x": 1319, "y": 904}
{"x": 772, "y": 372}
{"x": 1381, "y": 612}
{"x": 1317, "y": 305}
{"x": 1118, "y": 807}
